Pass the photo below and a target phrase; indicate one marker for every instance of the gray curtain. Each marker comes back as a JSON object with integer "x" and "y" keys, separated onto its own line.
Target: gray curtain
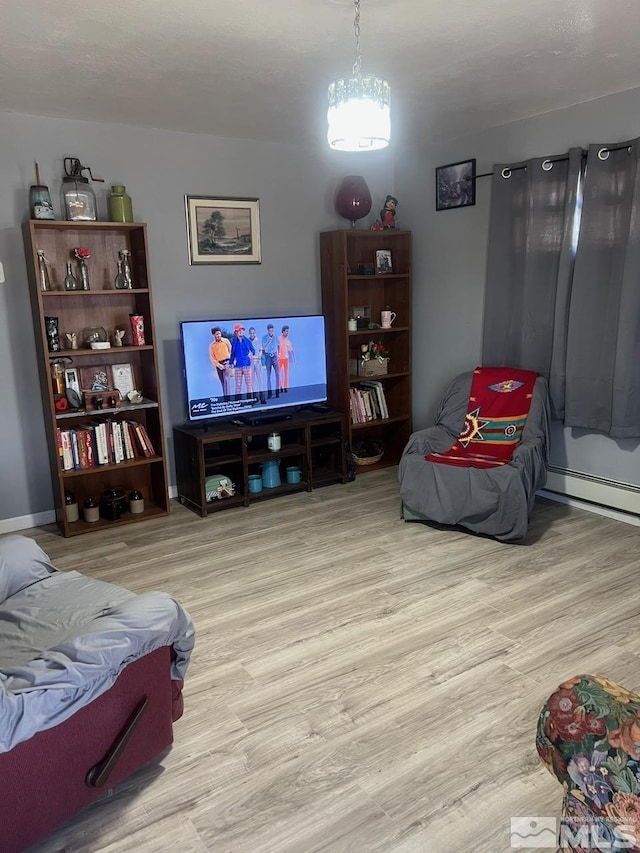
{"x": 603, "y": 344}
{"x": 533, "y": 227}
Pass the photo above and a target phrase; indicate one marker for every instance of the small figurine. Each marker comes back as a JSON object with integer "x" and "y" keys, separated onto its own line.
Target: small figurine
{"x": 388, "y": 213}
{"x": 72, "y": 338}
{"x": 118, "y": 336}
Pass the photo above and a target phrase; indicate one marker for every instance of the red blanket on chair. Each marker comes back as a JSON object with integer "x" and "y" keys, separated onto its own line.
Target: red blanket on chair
{"x": 498, "y": 407}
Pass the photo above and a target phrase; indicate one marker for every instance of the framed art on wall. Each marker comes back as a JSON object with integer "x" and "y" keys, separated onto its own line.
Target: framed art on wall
{"x": 456, "y": 185}
{"x": 223, "y": 230}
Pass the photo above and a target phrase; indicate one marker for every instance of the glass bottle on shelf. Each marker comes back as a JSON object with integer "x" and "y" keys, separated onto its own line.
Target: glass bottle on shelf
{"x": 84, "y": 274}
{"x": 125, "y": 257}
{"x": 120, "y": 282}
{"x": 43, "y": 272}
{"x": 70, "y": 281}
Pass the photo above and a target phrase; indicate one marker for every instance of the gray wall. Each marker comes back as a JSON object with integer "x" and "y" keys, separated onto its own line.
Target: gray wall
{"x": 295, "y": 187}
{"x": 450, "y": 260}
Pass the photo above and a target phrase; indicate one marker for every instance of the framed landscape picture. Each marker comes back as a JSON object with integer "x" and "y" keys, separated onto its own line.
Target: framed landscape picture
{"x": 223, "y": 230}
{"x": 456, "y": 185}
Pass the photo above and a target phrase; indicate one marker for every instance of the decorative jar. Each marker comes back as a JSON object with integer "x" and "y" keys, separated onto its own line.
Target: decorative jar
{"x": 136, "y": 502}
{"x": 71, "y": 507}
{"x": 78, "y": 199}
{"x": 120, "y": 205}
{"x": 273, "y": 441}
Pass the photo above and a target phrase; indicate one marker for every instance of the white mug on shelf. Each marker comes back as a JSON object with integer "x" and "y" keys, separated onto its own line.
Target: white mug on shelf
{"x": 387, "y": 318}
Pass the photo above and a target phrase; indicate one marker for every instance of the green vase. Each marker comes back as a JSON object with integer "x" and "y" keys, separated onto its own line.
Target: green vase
{"x": 120, "y": 206}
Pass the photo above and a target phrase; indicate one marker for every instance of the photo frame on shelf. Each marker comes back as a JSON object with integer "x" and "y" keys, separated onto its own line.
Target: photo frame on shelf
{"x": 383, "y": 261}
{"x": 71, "y": 379}
{"x": 223, "y": 230}
{"x": 123, "y": 380}
{"x": 456, "y": 185}
{"x": 96, "y": 377}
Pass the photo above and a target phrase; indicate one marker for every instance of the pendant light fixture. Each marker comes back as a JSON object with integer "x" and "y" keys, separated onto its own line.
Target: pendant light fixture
{"x": 359, "y": 112}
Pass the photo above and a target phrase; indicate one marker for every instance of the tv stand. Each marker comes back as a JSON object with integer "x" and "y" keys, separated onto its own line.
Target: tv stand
{"x": 314, "y": 443}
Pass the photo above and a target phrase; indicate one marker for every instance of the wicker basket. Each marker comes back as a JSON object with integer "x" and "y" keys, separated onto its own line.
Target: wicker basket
{"x": 367, "y": 460}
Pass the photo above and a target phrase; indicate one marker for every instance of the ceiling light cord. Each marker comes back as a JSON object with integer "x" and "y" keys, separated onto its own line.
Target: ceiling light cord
{"x": 357, "y": 65}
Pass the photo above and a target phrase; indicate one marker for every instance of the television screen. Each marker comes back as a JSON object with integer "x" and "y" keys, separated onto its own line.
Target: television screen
{"x": 246, "y": 366}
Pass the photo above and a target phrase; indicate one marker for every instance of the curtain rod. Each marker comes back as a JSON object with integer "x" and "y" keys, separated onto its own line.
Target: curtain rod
{"x": 603, "y": 154}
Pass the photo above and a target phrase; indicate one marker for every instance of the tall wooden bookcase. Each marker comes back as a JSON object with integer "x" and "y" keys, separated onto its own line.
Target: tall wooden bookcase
{"x": 345, "y": 257}
{"x": 101, "y": 306}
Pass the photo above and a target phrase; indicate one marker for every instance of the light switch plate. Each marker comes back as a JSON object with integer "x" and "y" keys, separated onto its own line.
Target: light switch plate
{"x": 1, "y": 273}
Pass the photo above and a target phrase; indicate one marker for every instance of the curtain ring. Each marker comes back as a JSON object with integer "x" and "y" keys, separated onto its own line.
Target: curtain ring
{"x": 603, "y": 154}
{"x": 547, "y": 165}
{"x": 506, "y": 173}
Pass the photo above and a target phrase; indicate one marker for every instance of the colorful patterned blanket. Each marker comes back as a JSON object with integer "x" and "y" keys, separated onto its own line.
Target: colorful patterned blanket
{"x": 499, "y": 403}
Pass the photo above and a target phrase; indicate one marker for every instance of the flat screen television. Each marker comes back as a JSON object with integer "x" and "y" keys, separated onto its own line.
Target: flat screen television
{"x": 250, "y": 368}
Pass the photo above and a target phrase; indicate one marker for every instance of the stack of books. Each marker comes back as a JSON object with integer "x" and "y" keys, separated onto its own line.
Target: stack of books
{"x": 106, "y": 442}
{"x": 367, "y": 402}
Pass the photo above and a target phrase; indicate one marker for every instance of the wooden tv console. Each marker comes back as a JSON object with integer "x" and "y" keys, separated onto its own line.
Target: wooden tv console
{"x": 315, "y": 443}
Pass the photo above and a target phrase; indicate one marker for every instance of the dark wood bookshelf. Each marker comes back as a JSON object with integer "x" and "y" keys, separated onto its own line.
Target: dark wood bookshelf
{"x": 341, "y": 253}
{"x": 101, "y": 306}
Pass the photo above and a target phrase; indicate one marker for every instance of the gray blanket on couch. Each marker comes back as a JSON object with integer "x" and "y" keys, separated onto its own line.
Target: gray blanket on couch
{"x": 65, "y": 638}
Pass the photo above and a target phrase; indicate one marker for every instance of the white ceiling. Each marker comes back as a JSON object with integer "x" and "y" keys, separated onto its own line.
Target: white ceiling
{"x": 259, "y": 69}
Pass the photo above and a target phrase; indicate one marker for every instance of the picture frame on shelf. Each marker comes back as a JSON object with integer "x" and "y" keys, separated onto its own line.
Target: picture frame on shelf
{"x": 96, "y": 377}
{"x": 123, "y": 380}
{"x": 71, "y": 379}
{"x": 223, "y": 230}
{"x": 384, "y": 263}
{"x": 456, "y": 185}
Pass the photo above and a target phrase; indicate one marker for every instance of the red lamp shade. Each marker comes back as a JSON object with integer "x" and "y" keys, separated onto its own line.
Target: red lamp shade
{"x": 353, "y": 199}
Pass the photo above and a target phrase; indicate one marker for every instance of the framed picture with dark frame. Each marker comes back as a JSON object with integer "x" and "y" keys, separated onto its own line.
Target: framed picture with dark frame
{"x": 223, "y": 230}
{"x": 456, "y": 185}
{"x": 383, "y": 261}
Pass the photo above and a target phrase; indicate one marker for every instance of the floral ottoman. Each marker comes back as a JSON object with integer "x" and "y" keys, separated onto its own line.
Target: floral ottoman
{"x": 589, "y": 738}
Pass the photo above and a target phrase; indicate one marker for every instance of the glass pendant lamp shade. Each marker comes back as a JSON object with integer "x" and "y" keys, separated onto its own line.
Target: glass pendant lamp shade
{"x": 353, "y": 199}
{"x": 359, "y": 114}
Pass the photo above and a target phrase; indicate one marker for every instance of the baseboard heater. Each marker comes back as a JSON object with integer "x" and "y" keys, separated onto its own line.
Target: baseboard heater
{"x": 623, "y": 497}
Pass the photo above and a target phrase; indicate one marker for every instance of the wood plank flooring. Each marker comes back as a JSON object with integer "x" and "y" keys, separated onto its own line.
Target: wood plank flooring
{"x": 359, "y": 684}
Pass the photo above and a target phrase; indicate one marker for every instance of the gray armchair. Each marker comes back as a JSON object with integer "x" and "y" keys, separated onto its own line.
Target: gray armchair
{"x": 494, "y": 501}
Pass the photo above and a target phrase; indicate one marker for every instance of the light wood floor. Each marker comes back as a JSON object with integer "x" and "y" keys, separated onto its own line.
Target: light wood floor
{"x": 359, "y": 684}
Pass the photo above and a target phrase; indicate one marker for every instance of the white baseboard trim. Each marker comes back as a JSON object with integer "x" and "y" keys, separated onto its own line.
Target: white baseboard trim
{"x": 626, "y": 517}
{"x": 22, "y": 522}
{"x": 624, "y": 497}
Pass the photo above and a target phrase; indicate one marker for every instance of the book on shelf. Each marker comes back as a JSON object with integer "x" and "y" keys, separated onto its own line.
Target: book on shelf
{"x": 378, "y": 388}
{"x": 102, "y": 442}
{"x": 67, "y": 457}
{"x": 75, "y": 452}
{"x": 143, "y": 439}
{"x": 367, "y": 402}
